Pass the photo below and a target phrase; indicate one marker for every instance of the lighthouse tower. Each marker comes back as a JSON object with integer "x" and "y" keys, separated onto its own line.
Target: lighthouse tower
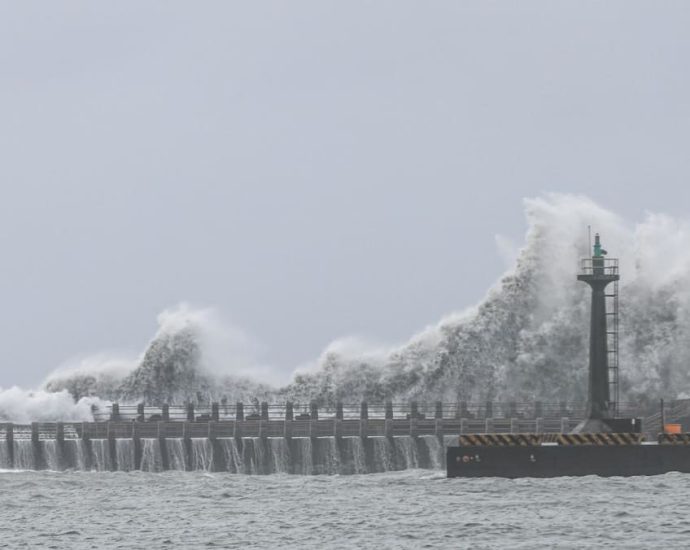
{"x": 598, "y": 272}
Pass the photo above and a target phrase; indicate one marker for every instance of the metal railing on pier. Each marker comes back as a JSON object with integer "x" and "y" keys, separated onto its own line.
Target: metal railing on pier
{"x": 363, "y": 420}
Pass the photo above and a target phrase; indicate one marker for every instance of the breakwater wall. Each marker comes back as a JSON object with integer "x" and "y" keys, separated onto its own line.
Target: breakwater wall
{"x": 328, "y": 446}
{"x": 272, "y": 439}
{"x": 305, "y": 456}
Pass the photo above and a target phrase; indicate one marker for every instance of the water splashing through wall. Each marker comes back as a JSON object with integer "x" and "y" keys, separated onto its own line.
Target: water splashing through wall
{"x": 359, "y": 459}
{"x": 232, "y": 455}
{"x": 100, "y": 455}
{"x": 4, "y": 456}
{"x": 382, "y": 459}
{"x": 202, "y": 454}
{"x": 328, "y": 456}
{"x": 49, "y": 450}
{"x": 24, "y": 455}
{"x": 406, "y": 449}
{"x": 176, "y": 454}
{"x": 436, "y": 451}
{"x": 303, "y": 456}
{"x": 280, "y": 455}
{"x": 124, "y": 455}
{"x": 75, "y": 454}
{"x": 151, "y": 457}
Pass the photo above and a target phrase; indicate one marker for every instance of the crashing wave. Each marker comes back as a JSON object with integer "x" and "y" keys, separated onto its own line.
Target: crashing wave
{"x": 526, "y": 340}
{"x": 180, "y": 365}
{"x": 94, "y": 376}
{"x": 22, "y": 407}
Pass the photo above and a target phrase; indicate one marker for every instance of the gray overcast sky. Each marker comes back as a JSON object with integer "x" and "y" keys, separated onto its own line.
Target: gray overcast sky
{"x": 313, "y": 169}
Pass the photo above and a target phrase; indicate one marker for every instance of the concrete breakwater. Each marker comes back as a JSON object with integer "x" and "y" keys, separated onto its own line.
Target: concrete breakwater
{"x": 272, "y": 439}
{"x": 255, "y": 455}
{"x": 326, "y": 446}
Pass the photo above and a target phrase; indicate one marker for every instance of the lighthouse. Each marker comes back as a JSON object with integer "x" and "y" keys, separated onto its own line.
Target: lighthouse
{"x": 598, "y": 272}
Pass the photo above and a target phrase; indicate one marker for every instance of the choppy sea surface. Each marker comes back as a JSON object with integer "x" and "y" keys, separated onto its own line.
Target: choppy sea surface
{"x": 408, "y": 509}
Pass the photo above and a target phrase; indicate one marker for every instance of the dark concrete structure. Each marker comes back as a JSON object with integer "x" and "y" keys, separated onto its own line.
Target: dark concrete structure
{"x": 598, "y": 274}
{"x": 554, "y": 460}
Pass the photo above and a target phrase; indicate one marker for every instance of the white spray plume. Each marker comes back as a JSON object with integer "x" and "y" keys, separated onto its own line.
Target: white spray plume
{"x": 527, "y": 339}
{"x": 354, "y": 349}
{"x": 226, "y": 349}
{"x": 103, "y": 370}
{"x": 22, "y": 407}
{"x": 662, "y": 252}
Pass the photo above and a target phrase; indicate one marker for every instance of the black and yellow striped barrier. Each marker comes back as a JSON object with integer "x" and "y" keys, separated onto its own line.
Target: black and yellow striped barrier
{"x": 600, "y": 439}
{"x": 499, "y": 440}
{"x": 674, "y": 439}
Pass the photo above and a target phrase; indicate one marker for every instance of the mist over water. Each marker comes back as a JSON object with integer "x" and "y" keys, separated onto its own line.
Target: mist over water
{"x": 527, "y": 339}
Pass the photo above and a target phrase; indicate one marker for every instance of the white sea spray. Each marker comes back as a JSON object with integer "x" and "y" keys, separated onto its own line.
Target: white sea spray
{"x": 527, "y": 339}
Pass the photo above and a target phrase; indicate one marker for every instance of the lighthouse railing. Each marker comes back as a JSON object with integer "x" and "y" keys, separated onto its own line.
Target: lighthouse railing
{"x": 599, "y": 266}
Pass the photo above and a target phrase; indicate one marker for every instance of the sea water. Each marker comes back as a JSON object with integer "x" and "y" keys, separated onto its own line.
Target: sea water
{"x": 409, "y": 509}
